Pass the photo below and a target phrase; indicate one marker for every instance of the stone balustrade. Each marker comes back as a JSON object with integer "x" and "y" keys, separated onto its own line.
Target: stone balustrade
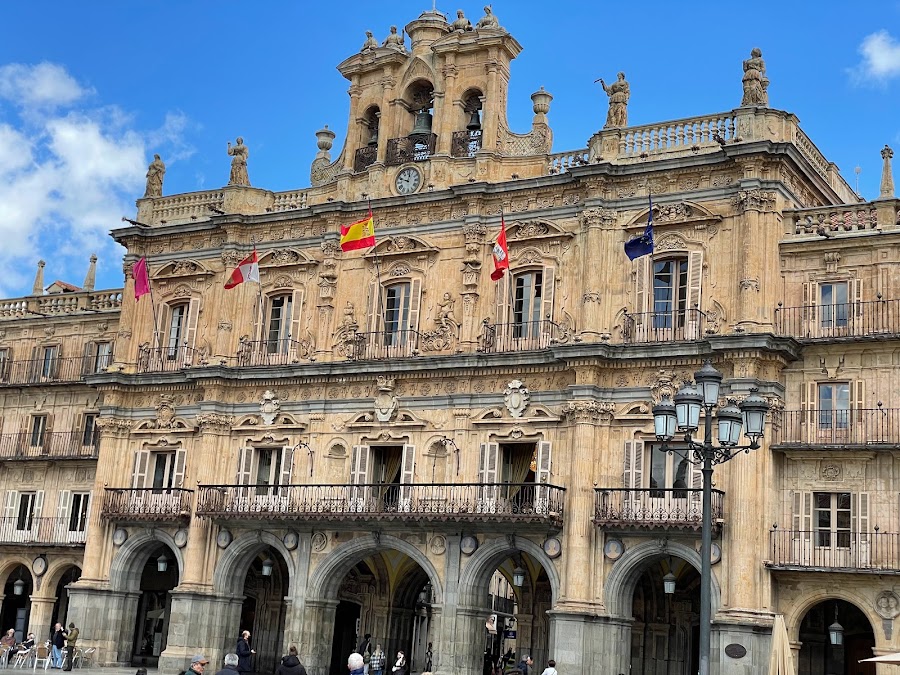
{"x": 560, "y": 162}
{"x": 289, "y": 201}
{"x": 184, "y": 207}
{"x": 61, "y": 303}
{"x": 828, "y": 221}
{"x": 677, "y": 136}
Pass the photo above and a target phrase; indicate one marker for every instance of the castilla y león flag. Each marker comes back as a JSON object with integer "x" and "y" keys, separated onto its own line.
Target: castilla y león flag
{"x": 247, "y": 270}
{"x": 500, "y": 253}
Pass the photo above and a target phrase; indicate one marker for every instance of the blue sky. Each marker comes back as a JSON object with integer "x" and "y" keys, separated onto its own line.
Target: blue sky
{"x": 90, "y": 90}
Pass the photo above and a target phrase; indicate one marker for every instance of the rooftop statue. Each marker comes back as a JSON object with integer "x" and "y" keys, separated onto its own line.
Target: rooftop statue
{"x": 394, "y": 40}
{"x": 619, "y": 92}
{"x": 155, "y": 173}
{"x": 461, "y": 23}
{"x": 488, "y": 20}
{"x": 755, "y": 81}
{"x": 370, "y": 43}
{"x": 240, "y": 153}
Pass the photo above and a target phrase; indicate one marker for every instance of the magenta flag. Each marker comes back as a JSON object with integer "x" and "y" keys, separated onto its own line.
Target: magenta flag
{"x": 141, "y": 278}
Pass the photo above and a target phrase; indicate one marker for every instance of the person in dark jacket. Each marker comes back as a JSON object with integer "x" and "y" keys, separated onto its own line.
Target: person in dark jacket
{"x": 290, "y": 664}
{"x": 57, "y": 642}
{"x": 525, "y": 665}
{"x": 231, "y": 661}
{"x": 245, "y": 654}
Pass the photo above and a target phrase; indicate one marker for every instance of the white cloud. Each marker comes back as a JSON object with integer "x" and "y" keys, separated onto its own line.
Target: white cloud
{"x": 881, "y": 57}
{"x": 67, "y": 175}
{"x": 44, "y": 84}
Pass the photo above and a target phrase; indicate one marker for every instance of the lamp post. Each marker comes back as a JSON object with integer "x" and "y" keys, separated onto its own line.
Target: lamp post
{"x": 684, "y": 418}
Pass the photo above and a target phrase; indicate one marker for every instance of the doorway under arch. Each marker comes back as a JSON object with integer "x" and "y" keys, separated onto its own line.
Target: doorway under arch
{"x": 263, "y": 610}
{"x": 17, "y": 601}
{"x": 159, "y": 576}
{"x": 61, "y": 606}
{"x": 819, "y": 655}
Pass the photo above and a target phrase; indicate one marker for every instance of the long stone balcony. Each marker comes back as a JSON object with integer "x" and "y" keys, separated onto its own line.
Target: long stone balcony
{"x": 857, "y": 427}
{"x": 875, "y": 320}
{"x": 503, "y": 503}
{"x": 138, "y": 505}
{"x": 51, "y": 370}
{"x": 52, "y": 445}
{"x": 42, "y": 531}
{"x": 654, "y": 508}
{"x": 834, "y": 550}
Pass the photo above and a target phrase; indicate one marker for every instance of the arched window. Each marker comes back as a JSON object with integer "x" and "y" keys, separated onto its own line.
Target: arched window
{"x": 466, "y": 140}
{"x": 419, "y": 144}
{"x": 367, "y": 152}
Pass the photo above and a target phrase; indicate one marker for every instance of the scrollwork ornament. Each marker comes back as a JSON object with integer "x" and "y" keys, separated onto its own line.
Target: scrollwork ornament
{"x": 589, "y": 410}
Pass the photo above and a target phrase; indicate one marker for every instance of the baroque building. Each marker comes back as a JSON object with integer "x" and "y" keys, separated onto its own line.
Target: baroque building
{"x": 388, "y": 442}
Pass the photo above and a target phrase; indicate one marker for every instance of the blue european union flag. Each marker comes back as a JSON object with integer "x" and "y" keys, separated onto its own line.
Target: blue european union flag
{"x": 643, "y": 243}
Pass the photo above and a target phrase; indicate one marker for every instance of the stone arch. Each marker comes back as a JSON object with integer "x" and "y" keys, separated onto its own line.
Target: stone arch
{"x": 128, "y": 562}
{"x": 801, "y": 606}
{"x": 9, "y": 565}
{"x": 622, "y": 581}
{"x": 323, "y": 583}
{"x": 477, "y": 573}
{"x": 232, "y": 567}
{"x": 54, "y": 574}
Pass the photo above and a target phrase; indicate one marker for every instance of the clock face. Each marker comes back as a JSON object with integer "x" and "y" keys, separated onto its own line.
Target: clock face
{"x": 408, "y": 181}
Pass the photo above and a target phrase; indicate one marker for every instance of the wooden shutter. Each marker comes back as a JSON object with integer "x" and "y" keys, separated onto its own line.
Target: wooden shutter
{"x": 504, "y": 311}
{"x": 287, "y": 465}
{"x": 855, "y": 294}
{"x": 809, "y": 313}
{"x": 375, "y": 303}
{"x": 87, "y": 360}
{"x": 244, "y": 468}
{"x": 802, "y": 513}
{"x": 695, "y": 279}
{"x": 38, "y": 506}
{"x": 415, "y": 302}
{"x": 178, "y": 469}
{"x": 359, "y": 464}
{"x": 542, "y": 476}
{"x": 193, "y": 317}
{"x": 64, "y": 507}
{"x": 11, "y": 508}
{"x": 860, "y": 538}
{"x": 34, "y": 364}
{"x": 489, "y": 459}
{"x": 808, "y": 398}
{"x": 633, "y": 475}
{"x": 547, "y": 293}
{"x": 296, "y": 305}
{"x": 696, "y": 484}
{"x": 642, "y": 302}
{"x": 260, "y": 331}
{"x": 407, "y": 476}
{"x": 141, "y": 461}
{"x": 57, "y": 357}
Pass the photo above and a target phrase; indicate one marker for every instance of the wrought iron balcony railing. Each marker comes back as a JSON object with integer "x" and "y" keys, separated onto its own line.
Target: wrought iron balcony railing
{"x": 412, "y": 148}
{"x": 273, "y": 352}
{"x": 364, "y": 158}
{"x": 146, "y": 504}
{"x": 63, "y": 531}
{"x": 455, "y": 502}
{"x": 668, "y": 508}
{"x": 166, "y": 359}
{"x": 857, "y": 426}
{"x": 465, "y": 143}
{"x": 518, "y": 336}
{"x": 879, "y": 319}
{"x": 49, "y": 445}
{"x": 50, "y": 370}
{"x": 675, "y": 326}
{"x": 829, "y": 550}
{"x": 385, "y": 344}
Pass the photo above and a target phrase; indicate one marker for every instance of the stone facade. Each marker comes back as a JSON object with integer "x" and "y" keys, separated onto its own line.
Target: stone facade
{"x": 391, "y": 428}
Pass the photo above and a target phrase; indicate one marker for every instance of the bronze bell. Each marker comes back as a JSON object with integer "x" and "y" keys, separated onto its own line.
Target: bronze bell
{"x": 474, "y": 122}
{"x": 423, "y": 123}
{"x": 373, "y": 136}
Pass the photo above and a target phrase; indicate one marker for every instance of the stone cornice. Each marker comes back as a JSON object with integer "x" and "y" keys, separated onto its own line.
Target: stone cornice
{"x": 589, "y": 410}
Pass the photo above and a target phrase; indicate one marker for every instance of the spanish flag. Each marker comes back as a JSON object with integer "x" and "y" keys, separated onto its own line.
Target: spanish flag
{"x": 360, "y": 234}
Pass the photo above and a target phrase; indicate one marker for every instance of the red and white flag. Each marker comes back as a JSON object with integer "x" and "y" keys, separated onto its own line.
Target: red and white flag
{"x": 500, "y": 253}
{"x": 247, "y": 270}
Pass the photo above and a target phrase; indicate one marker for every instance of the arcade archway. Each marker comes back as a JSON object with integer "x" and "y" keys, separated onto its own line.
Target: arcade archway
{"x": 16, "y": 601}
{"x": 159, "y": 576}
{"x": 821, "y": 653}
{"x": 264, "y": 610}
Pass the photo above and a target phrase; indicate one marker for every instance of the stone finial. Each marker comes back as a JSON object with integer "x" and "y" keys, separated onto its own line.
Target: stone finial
{"x": 887, "y": 176}
{"x": 541, "y": 102}
{"x": 324, "y": 141}
{"x": 38, "y": 288}
{"x": 91, "y": 276}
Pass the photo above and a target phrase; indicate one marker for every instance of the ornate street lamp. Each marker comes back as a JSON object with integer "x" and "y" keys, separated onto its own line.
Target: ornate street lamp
{"x": 836, "y": 630}
{"x": 162, "y": 563}
{"x": 19, "y": 585}
{"x": 518, "y": 575}
{"x": 669, "y": 583}
{"x": 267, "y": 566}
{"x": 749, "y": 414}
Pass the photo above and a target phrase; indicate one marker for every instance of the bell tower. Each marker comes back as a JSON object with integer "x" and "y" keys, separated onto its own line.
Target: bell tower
{"x": 434, "y": 111}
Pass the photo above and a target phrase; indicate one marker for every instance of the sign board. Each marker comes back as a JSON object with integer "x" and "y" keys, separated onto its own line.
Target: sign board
{"x": 509, "y": 634}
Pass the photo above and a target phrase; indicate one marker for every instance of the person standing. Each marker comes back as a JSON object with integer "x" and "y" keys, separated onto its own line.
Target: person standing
{"x": 290, "y": 664}
{"x": 355, "y": 664}
{"x": 525, "y": 665}
{"x": 377, "y": 661}
{"x": 245, "y": 654}
{"x": 365, "y": 649}
{"x": 71, "y": 641}
{"x": 198, "y": 665}
{"x": 429, "y": 653}
{"x": 551, "y": 668}
{"x": 231, "y": 661}
{"x": 57, "y": 642}
{"x": 399, "y": 667}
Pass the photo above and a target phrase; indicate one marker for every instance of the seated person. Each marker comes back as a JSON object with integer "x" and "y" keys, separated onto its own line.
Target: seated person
{"x": 27, "y": 644}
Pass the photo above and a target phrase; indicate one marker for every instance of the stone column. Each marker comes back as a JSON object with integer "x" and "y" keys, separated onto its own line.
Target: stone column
{"x": 106, "y": 620}
{"x": 318, "y": 628}
{"x": 475, "y": 233}
{"x": 596, "y": 226}
{"x": 197, "y": 624}
{"x": 444, "y": 626}
{"x": 756, "y": 292}
{"x": 887, "y": 176}
{"x": 40, "y": 617}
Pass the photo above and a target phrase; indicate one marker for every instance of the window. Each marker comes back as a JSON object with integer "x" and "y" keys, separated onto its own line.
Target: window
{"x": 177, "y": 320}
{"x": 834, "y": 303}
{"x": 163, "y": 470}
{"x": 79, "y": 514}
{"x": 279, "y": 324}
{"x": 268, "y": 469}
{"x": 5, "y": 362}
{"x": 102, "y": 356}
{"x": 668, "y": 470}
{"x": 396, "y": 313}
{"x": 832, "y": 519}
{"x": 527, "y": 304}
{"x": 38, "y": 430}
{"x": 27, "y": 509}
{"x": 48, "y": 361}
{"x": 834, "y": 405}
{"x": 90, "y": 434}
{"x": 670, "y": 291}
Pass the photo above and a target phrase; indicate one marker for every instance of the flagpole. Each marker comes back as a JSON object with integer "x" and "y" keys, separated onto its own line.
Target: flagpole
{"x": 259, "y": 298}
{"x": 377, "y": 274}
{"x": 509, "y": 284}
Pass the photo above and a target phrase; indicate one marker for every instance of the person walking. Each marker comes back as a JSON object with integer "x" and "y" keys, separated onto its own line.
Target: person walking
{"x": 71, "y": 642}
{"x": 290, "y": 664}
{"x": 57, "y": 642}
{"x": 377, "y": 661}
{"x": 525, "y": 665}
{"x": 365, "y": 649}
{"x": 245, "y": 654}
{"x": 198, "y": 665}
{"x": 231, "y": 661}
{"x": 551, "y": 668}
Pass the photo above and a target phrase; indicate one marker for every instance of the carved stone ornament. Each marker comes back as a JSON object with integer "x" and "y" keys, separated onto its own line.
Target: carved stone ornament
{"x": 831, "y": 471}
{"x": 887, "y": 605}
{"x": 120, "y": 536}
{"x": 672, "y": 212}
{"x": 663, "y": 386}
{"x": 597, "y": 216}
{"x": 754, "y": 200}
{"x": 516, "y": 398}
{"x": 269, "y": 406}
{"x": 231, "y": 258}
{"x": 529, "y": 230}
{"x": 386, "y": 405}
{"x": 114, "y": 425}
{"x": 319, "y": 541}
{"x": 165, "y": 412}
{"x": 215, "y": 422}
{"x": 589, "y": 410}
